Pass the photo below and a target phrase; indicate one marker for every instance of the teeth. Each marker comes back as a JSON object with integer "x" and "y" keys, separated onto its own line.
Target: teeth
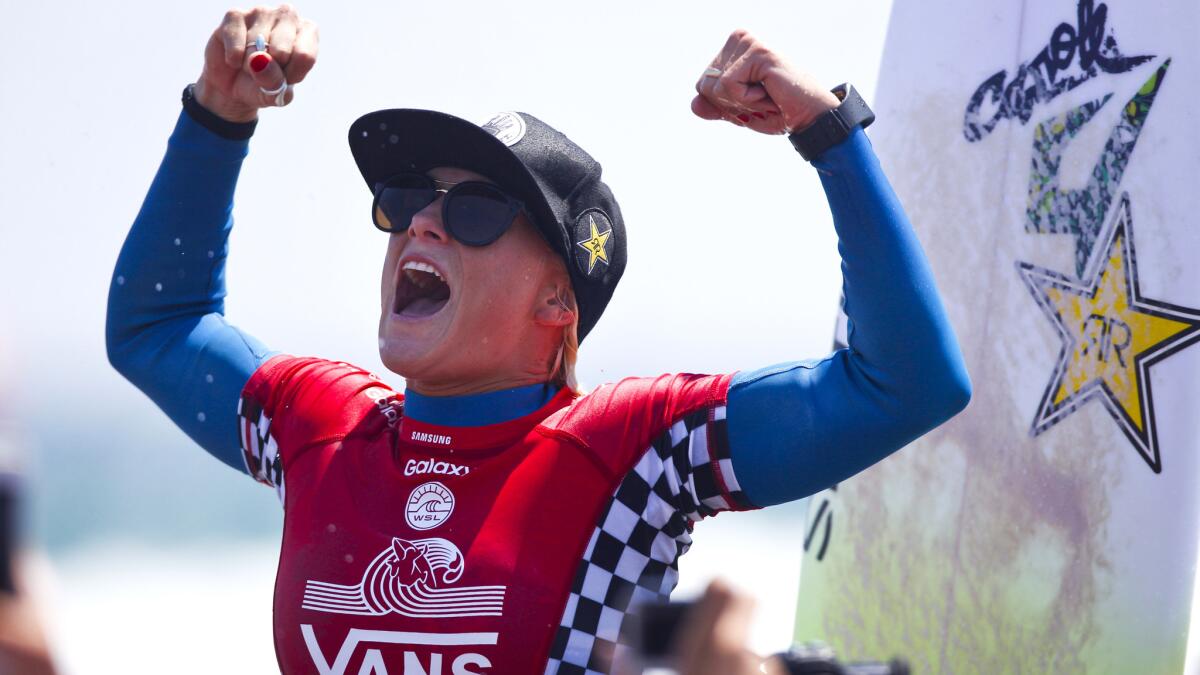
{"x": 414, "y": 265}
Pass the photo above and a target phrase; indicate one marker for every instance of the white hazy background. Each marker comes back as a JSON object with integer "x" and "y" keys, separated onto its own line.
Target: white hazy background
{"x": 151, "y": 556}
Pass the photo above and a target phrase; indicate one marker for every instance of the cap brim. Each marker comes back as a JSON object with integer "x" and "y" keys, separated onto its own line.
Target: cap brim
{"x": 387, "y": 142}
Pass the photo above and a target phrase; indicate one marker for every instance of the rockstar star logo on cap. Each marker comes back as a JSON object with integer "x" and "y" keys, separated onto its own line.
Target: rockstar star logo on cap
{"x": 1111, "y": 336}
{"x": 595, "y": 245}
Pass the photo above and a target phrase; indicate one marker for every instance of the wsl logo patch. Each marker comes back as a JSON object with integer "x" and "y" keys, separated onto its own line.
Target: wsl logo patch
{"x": 429, "y": 505}
{"x": 410, "y": 578}
{"x": 593, "y": 242}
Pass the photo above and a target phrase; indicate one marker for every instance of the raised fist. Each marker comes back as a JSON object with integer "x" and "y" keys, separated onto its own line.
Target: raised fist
{"x": 236, "y": 78}
{"x": 751, "y": 86}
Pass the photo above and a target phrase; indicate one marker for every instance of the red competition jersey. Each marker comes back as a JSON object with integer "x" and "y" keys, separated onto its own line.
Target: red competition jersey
{"x": 505, "y": 549}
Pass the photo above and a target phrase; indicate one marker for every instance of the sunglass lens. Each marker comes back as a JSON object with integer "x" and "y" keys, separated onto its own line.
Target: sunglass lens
{"x": 400, "y": 199}
{"x": 478, "y": 213}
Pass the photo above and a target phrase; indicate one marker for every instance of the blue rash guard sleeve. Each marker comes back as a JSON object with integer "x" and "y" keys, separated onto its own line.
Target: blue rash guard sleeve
{"x": 166, "y": 331}
{"x": 797, "y": 428}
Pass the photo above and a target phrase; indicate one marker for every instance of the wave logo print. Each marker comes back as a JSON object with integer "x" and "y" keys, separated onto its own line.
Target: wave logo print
{"x": 410, "y": 578}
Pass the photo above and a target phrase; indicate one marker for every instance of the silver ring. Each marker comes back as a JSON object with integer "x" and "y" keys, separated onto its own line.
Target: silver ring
{"x": 275, "y": 92}
{"x": 259, "y": 44}
{"x": 280, "y": 93}
{"x": 712, "y": 72}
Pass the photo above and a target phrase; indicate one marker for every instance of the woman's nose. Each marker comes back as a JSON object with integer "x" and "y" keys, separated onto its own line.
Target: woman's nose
{"x": 427, "y": 223}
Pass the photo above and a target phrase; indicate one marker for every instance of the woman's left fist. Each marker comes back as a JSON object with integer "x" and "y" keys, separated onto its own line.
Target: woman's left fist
{"x": 751, "y": 86}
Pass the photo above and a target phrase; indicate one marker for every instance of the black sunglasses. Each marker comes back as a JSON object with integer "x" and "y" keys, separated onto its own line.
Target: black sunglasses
{"x": 474, "y": 213}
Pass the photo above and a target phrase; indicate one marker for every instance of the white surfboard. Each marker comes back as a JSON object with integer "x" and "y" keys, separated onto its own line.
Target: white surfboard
{"x": 1048, "y": 155}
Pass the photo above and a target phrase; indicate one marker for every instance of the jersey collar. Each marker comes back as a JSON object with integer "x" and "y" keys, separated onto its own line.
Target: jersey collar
{"x": 452, "y": 438}
{"x": 475, "y": 410}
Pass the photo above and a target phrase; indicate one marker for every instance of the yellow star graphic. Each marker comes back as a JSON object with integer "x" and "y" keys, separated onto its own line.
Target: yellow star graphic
{"x": 595, "y": 245}
{"x": 1111, "y": 336}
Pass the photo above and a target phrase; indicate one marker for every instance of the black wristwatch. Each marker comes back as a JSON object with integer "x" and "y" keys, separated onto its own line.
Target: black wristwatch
{"x": 834, "y": 126}
{"x": 234, "y": 131}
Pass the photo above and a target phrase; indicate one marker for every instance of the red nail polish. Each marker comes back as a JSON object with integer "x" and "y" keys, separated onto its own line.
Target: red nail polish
{"x": 259, "y": 61}
{"x": 744, "y": 118}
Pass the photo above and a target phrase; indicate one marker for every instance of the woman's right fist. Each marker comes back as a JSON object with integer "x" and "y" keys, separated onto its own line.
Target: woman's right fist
{"x": 236, "y": 77}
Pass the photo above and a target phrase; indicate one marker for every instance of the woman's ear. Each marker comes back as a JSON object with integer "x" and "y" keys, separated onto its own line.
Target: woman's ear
{"x": 556, "y": 305}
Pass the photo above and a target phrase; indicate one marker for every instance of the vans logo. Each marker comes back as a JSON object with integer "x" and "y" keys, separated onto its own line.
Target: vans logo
{"x": 415, "y": 466}
{"x": 422, "y": 652}
{"x": 415, "y": 579}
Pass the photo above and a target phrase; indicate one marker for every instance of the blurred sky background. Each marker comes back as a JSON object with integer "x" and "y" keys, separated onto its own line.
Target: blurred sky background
{"x": 154, "y": 557}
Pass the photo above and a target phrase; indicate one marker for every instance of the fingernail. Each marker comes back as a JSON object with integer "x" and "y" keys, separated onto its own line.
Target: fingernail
{"x": 258, "y": 62}
{"x": 744, "y": 118}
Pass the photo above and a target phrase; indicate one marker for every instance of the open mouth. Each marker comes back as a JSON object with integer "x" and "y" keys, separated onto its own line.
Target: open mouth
{"x": 421, "y": 290}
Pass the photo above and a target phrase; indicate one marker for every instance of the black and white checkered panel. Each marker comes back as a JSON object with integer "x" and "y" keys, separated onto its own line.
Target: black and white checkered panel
{"x": 259, "y": 450}
{"x": 633, "y": 555}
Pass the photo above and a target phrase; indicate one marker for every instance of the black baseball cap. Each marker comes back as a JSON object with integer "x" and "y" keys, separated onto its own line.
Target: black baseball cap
{"x": 559, "y": 183}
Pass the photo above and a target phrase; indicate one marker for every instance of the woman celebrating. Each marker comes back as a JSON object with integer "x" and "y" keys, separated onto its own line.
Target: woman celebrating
{"x": 492, "y": 518}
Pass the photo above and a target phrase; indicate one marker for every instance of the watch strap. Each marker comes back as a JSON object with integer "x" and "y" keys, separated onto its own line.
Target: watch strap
{"x": 234, "y": 131}
{"x": 834, "y": 126}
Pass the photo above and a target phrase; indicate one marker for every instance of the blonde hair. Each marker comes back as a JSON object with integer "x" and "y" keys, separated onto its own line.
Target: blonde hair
{"x": 563, "y": 373}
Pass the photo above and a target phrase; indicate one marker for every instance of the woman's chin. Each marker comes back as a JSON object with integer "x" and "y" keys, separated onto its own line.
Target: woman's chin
{"x": 402, "y": 353}
{"x": 405, "y": 344}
